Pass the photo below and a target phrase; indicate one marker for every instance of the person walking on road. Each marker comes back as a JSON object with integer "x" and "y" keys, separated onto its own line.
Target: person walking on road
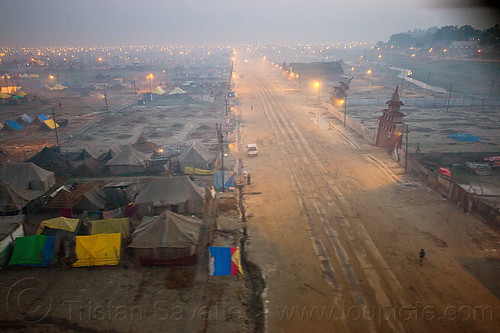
{"x": 248, "y": 178}
{"x": 421, "y": 255}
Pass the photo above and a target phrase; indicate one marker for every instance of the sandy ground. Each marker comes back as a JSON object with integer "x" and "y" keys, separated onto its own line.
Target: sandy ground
{"x": 336, "y": 228}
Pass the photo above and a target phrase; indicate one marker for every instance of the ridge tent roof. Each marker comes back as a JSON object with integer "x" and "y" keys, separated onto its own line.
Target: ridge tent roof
{"x": 62, "y": 223}
{"x": 196, "y": 152}
{"x": 177, "y": 91}
{"x": 170, "y": 191}
{"x": 129, "y": 156}
{"x": 27, "y": 176}
{"x": 167, "y": 230}
{"x": 12, "y": 197}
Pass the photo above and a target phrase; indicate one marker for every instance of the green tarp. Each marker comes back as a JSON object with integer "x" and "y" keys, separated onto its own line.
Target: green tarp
{"x": 37, "y": 250}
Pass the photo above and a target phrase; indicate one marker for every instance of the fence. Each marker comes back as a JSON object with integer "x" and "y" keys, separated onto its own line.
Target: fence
{"x": 454, "y": 192}
{"x": 436, "y": 102}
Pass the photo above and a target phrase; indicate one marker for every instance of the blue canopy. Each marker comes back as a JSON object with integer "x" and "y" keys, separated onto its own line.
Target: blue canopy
{"x": 13, "y": 125}
{"x": 42, "y": 117}
{"x": 465, "y": 137}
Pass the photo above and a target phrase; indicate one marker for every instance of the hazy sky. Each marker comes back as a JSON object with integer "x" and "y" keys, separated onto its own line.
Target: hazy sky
{"x": 133, "y": 22}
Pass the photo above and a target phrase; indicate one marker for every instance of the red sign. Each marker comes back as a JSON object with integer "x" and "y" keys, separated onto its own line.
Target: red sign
{"x": 492, "y": 158}
{"x": 445, "y": 172}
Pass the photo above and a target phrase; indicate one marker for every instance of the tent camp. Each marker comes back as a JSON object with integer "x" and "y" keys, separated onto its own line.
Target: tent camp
{"x": 159, "y": 91}
{"x": 49, "y": 125}
{"x": 24, "y": 119}
{"x": 177, "y": 91}
{"x": 36, "y": 250}
{"x": 27, "y": 176}
{"x": 11, "y": 125}
{"x": 89, "y": 167}
{"x": 81, "y": 197}
{"x": 58, "y": 87}
{"x": 145, "y": 146}
{"x": 178, "y": 194}
{"x": 196, "y": 156}
{"x": 14, "y": 199}
{"x": 111, "y": 226}
{"x": 128, "y": 161}
{"x": 52, "y": 226}
{"x": 98, "y": 250}
{"x": 51, "y": 159}
{"x": 90, "y": 151}
{"x": 41, "y": 118}
{"x": 110, "y": 153}
{"x": 166, "y": 239}
{"x": 11, "y": 227}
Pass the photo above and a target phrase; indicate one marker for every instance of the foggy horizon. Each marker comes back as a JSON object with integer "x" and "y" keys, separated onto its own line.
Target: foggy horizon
{"x": 92, "y": 23}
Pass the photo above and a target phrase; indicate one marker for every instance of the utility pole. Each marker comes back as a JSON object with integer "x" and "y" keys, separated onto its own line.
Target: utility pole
{"x": 449, "y": 98}
{"x": 407, "y": 131}
{"x": 226, "y": 105}
{"x": 106, "y": 101}
{"x": 220, "y": 136}
{"x": 428, "y": 79}
{"x": 55, "y": 128}
{"x": 345, "y": 110}
{"x": 491, "y": 90}
{"x": 135, "y": 93}
{"x": 402, "y": 83}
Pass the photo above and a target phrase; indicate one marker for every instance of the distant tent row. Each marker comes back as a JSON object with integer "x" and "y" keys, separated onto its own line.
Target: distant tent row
{"x": 45, "y": 123}
{"x": 101, "y": 247}
{"x": 166, "y": 239}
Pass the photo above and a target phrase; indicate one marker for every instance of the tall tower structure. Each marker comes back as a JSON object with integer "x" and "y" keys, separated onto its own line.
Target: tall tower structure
{"x": 390, "y": 125}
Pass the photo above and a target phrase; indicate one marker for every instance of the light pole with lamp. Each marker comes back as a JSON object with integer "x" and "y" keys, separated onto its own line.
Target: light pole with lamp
{"x": 150, "y": 77}
{"x": 317, "y": 85}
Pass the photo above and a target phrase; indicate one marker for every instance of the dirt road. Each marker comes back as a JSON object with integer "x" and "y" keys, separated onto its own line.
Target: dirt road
{"x": 336, "y": 228}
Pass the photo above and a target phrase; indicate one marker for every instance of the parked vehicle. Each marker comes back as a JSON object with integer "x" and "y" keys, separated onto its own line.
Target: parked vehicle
{"x": 252, "y": 149}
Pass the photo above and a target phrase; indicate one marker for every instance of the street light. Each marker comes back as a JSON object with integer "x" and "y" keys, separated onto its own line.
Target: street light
{"x": 344, "y": 101}
{"x": 368, "y": 72}
{"x": 150, "y": 77}
{"x": 317, "y": 85}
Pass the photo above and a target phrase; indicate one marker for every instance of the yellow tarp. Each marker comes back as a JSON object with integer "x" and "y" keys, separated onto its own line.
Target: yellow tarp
{"x": 62, "y": 223}
{"x": 4, "y": 95}
{"x": 111, "y": 226}
{"x": 98, "y": 250}
{"x": 196, "y": 171}
{"x": 51, "y": 124}
{"x": 21, "y": 93}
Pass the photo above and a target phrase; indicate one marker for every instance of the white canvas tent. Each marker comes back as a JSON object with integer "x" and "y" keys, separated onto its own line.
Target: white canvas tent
{"x": 128, "y": 160}
{"x": 196, "y": 156}
{"x": 179, "y": 194}
{"x": 165, "y": 237}
{"x": 27, "y": 176}
{"x": 177, "y": 91}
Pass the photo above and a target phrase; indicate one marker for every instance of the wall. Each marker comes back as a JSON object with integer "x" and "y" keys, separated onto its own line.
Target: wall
{"x": 368, "y": 134}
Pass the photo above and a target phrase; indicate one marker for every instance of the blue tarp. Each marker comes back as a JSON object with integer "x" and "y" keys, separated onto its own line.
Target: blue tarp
{"x": 465, "y": 137}
{"x": 221, "y": 261}
{"x": 15, "y": 126}
{"x": 228, "y": 179}
{"x": 42, "y": 117}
